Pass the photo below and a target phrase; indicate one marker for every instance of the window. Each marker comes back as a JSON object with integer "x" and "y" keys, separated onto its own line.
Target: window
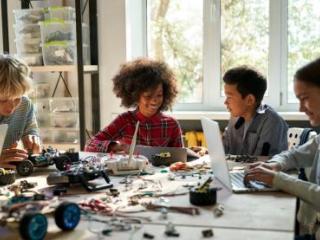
{"x": 200, "y": 40}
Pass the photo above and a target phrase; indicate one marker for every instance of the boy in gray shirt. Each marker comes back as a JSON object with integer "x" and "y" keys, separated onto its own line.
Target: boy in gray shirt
{"x": 254, "y": 128}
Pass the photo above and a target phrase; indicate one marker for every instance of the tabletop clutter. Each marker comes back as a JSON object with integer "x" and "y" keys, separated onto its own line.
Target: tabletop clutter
{"x": 119, "y": 196}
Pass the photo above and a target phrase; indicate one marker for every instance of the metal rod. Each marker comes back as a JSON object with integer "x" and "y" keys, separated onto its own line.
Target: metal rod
{"x": 80, "y": 75}
{"x": 5, "y": 33}
{"x": 94, "y": 51}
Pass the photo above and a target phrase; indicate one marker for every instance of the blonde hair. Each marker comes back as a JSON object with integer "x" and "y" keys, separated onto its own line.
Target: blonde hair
{"x": 14, "y": 77}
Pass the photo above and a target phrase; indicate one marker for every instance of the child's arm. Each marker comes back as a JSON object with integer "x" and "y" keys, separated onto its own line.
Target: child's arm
{"x": 12, "y": 154}
{"x": 32, "y": 143}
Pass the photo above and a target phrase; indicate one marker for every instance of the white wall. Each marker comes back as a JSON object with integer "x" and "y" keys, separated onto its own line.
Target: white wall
{"x": 112, "y": 53}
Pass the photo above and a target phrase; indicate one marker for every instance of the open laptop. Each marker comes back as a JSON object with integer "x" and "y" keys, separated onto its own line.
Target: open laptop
{"x": 178, "y": 154}
{"x": 232, "y": 180}
{"x": 3, "y": 134}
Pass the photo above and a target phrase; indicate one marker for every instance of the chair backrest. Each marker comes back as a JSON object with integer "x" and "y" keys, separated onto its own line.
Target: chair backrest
{"x": 299, "y": 136}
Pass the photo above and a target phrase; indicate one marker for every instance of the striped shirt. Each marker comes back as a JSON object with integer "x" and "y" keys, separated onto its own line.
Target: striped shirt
{"x": 159, "y": 130}
{"x": 21, "y": 122}
{"x": 265, "y": 135}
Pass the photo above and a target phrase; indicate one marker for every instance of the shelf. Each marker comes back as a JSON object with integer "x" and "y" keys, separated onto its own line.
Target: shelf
{"x": 62, "y": 146}
{"x": 64, "y": 68}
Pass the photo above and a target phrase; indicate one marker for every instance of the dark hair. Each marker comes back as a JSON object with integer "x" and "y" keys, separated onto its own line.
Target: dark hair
{"x": 309, "y": 73}
{"x": 143, "y": 75}
{"x": 248, "y": 81}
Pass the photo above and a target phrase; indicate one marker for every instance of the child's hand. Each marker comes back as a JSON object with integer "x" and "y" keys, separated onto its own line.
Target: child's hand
{"x": 11, "y": 155}
{"x": 32, "y": 143}
{"x": 200, "y": 150}
{"x": 117, "y": 147}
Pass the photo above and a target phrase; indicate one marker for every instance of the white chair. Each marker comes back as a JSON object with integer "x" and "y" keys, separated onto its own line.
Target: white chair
{"x": 299, "y": 136}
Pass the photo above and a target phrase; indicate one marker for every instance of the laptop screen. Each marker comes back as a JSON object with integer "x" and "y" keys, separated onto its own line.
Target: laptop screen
{"x": 216, "y": 151}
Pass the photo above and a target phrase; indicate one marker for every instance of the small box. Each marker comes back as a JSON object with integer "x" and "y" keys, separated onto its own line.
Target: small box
{"x": 31, "y": 15}
{"x": 65, "y": 104}
{"x": 64, "y": 120}
{"x": 59, "y": 53}
{"x": 61, "y": 13}
{"x": 26, "y": 31}
{"x": 33, "y": 59}
{"x": 52, "y": 31}
{"x": 66, "y": 136}
{"x": 28, "y": 45}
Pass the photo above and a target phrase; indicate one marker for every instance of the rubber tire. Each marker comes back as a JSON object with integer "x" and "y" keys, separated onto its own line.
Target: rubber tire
{"x": 25, "y": 168}
{"x": 61, "y": 162}
{"x": 28, "y": 222}
{"x": 67, "y": 216}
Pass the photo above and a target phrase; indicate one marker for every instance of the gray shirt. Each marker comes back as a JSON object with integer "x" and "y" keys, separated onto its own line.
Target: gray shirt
{"x": 266, "y": 134}
{"x": 20, "y": 123}
{"x": 307, "y": 155}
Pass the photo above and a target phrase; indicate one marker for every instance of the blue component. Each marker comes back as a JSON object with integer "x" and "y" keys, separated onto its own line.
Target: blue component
{"x": 37, "y": 228}
{"x": 71, "y": 216}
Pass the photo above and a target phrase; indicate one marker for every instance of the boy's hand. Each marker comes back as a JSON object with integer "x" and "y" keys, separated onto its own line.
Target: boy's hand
{"x": 12, "y": 155}
{"x": 32, "y": 143}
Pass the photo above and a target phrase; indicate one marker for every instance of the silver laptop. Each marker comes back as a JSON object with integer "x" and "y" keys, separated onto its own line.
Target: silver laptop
{"x": 178, "y": 154}
{"x": 3, "y": 134}
{"x": 232, "y": 180}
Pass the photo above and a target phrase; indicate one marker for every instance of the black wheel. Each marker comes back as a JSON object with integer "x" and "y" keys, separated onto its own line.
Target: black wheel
{"x": 7, "y": 176}
{"x": 61, "y": 162}
{"x": 33, "y": 226}
{"x": 67, "y": 216}
{"x": 25, "y": 168}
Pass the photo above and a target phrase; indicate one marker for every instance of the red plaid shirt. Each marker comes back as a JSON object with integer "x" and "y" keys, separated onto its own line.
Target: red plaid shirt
{"x": 159, "y": 130}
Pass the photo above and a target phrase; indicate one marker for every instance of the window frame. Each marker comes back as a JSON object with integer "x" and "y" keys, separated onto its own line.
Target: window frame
{"x": 212, "y": 99}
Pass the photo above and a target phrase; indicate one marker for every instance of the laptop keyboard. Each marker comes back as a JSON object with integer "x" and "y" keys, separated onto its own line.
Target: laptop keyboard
{"x": 237, "y": 179}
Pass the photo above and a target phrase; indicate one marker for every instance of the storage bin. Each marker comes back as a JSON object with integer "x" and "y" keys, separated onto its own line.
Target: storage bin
{"x": 42, "y": 90}
{"x": 52, "y": 31}
{"x": 66, "y": 136}
{"x": 59, "y": 53}
{"x": 46, "y": 135}
{"x": 62, "y": 13}
{"x": 28, "y": 45}
{"x": 25, "y": 31}
{"x": 64, "y": 120}
{"x": 65, "y": 104}
{"x": 42, "y": 105}
{"x": 34, "y": 59}
{"x": 43, "y": 119}
{"x": 32, "y": 15}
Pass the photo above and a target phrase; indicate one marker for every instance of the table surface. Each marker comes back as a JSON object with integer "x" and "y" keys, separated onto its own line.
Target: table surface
{"x": 268, "y": 215}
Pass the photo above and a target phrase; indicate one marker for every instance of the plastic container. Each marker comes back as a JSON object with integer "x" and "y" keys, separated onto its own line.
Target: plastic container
{"x": 31, "y": 15}
{"x": 42, "y": 90}
{"x": 42, "y": 106}
{"x": 25, "y": 31}
{"x": 52, "y": 31}
{"x": 66, "y": 136}
{"x": 29, "y": 45}
{"x": 62, "y": 13}
{"x": 46, "y": 135}
{"x": 43, "y": 119}
{"x": 64, "y": 120}
{"x": 34, "y": 59}
{"x": 59, "y": 53}
{"x": 65, "y": 104}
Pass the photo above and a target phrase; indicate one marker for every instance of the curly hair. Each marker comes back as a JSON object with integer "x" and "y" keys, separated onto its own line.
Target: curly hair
{"x": 143, "y": 75}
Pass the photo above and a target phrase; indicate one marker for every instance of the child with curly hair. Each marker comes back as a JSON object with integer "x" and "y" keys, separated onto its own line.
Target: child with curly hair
{"x": 150, "y": 87}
